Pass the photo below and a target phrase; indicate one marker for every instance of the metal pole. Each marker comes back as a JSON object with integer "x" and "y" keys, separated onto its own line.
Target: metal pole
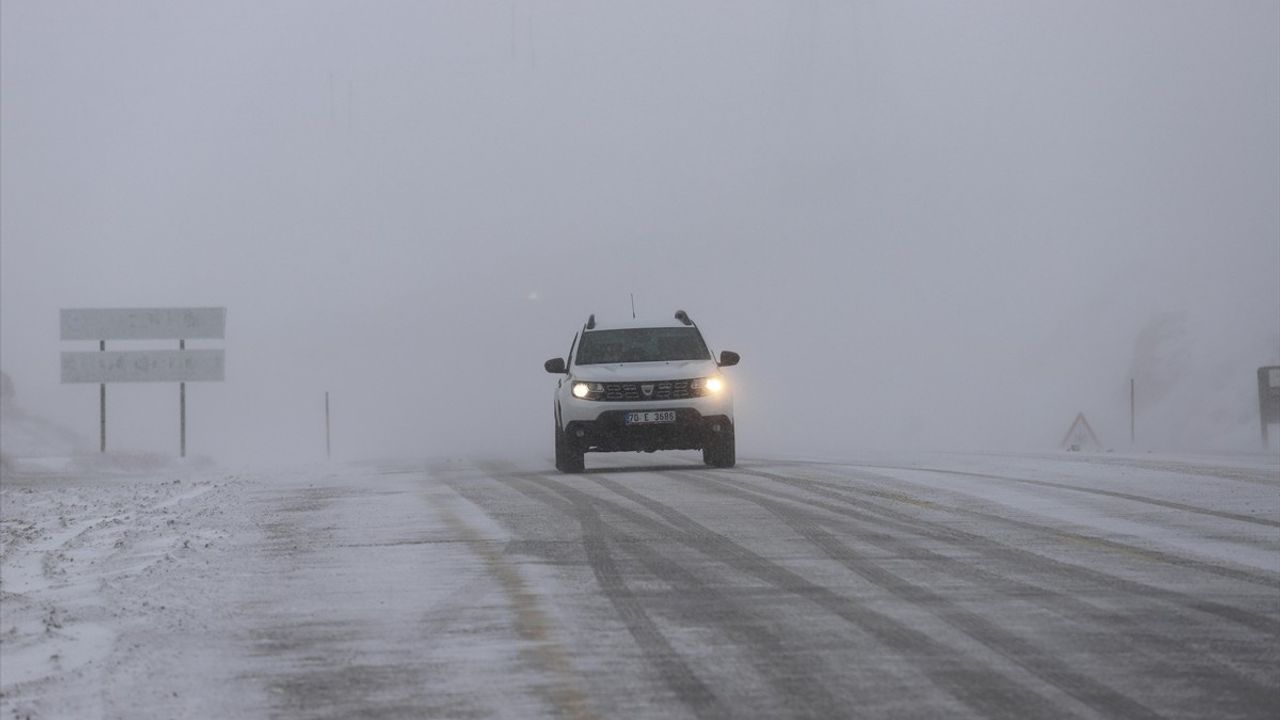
{"x": 1263, "y": 383}
{"x": 1132, "y": 413}
{"x": 102, "y": 407}
{"x": 328, "y": 448}
{"x": 182, "y": 411}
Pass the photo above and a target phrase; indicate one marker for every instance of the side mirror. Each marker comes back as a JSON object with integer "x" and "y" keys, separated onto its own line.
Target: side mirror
{"x": 728, "y": 357}
{"x": 555, "y": 365}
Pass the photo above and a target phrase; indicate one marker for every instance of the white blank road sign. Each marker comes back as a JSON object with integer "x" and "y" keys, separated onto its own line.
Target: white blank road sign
{"x": 144, "y": 324}
{"x": 143, "y": 366}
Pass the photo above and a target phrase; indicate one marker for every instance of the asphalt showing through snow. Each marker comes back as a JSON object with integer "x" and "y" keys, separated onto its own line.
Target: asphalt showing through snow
{"x": 642, "y": 589}
{"x": 653, "y": 587}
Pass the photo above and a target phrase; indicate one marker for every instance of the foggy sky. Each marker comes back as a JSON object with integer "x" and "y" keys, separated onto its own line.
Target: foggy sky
{"x": 937, "y": 225}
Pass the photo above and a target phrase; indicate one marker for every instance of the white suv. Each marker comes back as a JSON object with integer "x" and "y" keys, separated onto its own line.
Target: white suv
{"x": 642, "y": 386}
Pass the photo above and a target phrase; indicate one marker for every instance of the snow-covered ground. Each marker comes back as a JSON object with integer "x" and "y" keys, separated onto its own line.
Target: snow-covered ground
{"x": 654, "y": 587}
{"x": 183, "y": 593}
{"x": 113, "y": 589}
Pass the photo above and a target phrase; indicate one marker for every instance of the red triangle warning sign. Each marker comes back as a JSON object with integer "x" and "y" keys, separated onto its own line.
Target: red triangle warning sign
{"x": 1080, "y": 436}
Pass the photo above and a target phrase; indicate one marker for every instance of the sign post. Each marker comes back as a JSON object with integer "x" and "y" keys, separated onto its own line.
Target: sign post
{"x": 1268, "y": 399}
{"x": 1133, "y": 413}
{"x": 102, "y": 407}
{"x": 182, "y": 411}
{"x": 181, "y": 366}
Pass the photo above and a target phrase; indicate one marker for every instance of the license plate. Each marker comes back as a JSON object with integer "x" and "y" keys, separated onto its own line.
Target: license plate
{"x": 649, "y": 417}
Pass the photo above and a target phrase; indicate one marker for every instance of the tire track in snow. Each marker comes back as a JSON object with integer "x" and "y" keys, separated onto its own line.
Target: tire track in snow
{"x": 1039, "y": 661}
{"x": 1259, "y": 577}
{"x": 795, "y": 686}
{"x": 848, "y": 495}
{"x": 969, "y": 681}
{"x": 1067, "y": 605}
{"x": 675, "y": 673}
{"x": 1090, "y": 491}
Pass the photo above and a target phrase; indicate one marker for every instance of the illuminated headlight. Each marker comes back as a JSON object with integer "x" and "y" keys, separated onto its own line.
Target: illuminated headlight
{"x": 707, "y": 386}
{"x": 588, "y": 391}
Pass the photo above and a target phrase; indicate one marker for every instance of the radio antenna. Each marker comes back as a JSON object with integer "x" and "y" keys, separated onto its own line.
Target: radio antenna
{"x": 633, "y": 306}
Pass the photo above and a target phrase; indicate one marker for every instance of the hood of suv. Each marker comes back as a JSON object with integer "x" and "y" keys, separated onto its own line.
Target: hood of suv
{"x": 636, "y": 372}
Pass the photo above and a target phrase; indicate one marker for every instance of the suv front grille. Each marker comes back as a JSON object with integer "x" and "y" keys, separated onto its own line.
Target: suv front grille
{"x": 633, "y": 391}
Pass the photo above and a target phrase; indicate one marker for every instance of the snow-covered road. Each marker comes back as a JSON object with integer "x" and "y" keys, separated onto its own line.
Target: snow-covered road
{"x": 898, "y": 586}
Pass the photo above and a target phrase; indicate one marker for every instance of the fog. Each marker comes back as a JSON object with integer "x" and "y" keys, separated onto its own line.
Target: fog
{"x": 933, "y": 225}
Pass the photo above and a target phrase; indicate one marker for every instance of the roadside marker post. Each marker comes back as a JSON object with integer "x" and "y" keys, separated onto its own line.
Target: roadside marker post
{"x": 1268, "y": 399}
{"x": 182, "y": 410}
{"x": 102, "y": 407}
{"x": 1133, "y": 414}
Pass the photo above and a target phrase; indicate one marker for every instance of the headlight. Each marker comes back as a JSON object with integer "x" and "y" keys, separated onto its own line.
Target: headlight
{"x": 588, "y": 391}
{"x": 707, "y": 386}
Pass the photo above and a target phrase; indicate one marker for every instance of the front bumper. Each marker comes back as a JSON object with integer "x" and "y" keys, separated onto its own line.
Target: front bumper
{"x": 609, "y": 432}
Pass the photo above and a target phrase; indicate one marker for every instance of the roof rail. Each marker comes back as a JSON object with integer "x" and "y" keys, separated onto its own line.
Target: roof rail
{"x": 591, "y": 322}
{"x": 683, "y": 317}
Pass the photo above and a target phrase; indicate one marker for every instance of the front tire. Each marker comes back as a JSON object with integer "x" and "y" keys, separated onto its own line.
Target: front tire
{"x": 569, "y": 457}
{"x": 721, "y": 450}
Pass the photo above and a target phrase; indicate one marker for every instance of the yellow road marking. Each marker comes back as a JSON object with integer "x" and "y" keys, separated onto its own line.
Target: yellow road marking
{"x": 531, "y": 623}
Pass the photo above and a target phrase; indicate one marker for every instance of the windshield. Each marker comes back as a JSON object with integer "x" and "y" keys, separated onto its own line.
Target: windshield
{"x": 642, "y": 345}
